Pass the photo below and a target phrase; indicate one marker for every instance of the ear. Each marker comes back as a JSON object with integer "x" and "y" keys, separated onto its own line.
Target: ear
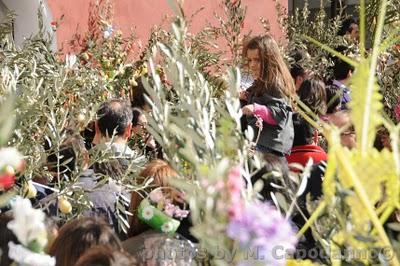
{"x": 128, "y": 131}
{"x": 97, "y": 136}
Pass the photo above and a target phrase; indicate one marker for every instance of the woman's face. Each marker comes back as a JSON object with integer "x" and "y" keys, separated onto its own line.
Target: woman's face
{"x": 254, "y": 61}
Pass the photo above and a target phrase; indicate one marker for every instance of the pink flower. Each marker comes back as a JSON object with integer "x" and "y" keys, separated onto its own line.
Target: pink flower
{"x": 170, "y": 209}
{"x": 156, "y": 196}
{"x": 235, "y": 210}
{"x": 235, "y": 184}
{"x": 181, "y": 213}
{"x": 235, "y": 181}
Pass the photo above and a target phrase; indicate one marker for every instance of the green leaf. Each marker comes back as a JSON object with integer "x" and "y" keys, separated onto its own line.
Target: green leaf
{"x": 365, "y": 105}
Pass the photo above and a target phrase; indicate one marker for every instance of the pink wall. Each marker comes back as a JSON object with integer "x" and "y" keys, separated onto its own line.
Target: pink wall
{"x": 143, "y": 14}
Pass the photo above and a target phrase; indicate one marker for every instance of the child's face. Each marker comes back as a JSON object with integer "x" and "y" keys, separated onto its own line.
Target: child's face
{"x": 254, "y": 61}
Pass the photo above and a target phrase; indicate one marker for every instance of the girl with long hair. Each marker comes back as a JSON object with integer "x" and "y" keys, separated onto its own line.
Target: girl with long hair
{"x": 270, "y": 98}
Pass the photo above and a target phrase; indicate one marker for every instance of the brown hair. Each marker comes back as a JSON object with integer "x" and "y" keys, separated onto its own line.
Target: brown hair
{"x": 275, "y": 75}
{"x": 312, "y": 93}
{"x": 160, "y": 171}
{"x": 79, "y": 235}
{"x": 105, "y": 256}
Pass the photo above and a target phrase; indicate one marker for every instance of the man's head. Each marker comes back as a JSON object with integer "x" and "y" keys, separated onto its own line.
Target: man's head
{"x": 297, "y": 71}
{"x": 349, "y": 29}
{"x": 298, "y": 74}
{"x": 342, "y": 71}
{"x": 114, "y": 117}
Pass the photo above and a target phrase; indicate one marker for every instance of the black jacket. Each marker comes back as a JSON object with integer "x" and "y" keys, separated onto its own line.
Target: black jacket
{"x": 279, "y": 137}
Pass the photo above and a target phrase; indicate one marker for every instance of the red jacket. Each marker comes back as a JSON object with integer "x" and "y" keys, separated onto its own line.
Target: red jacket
{"x": 301, "y": 154}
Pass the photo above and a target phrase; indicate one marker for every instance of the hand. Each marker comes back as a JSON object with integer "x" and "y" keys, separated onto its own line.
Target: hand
{"x": 243, "y": 95}
{"x": 248, "y": 109}
{"x": 259, "y": 123}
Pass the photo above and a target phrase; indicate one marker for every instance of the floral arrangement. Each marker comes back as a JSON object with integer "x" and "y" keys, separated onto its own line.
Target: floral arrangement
{"x": 159, "y": 212}
{"x": 28, "y": 226}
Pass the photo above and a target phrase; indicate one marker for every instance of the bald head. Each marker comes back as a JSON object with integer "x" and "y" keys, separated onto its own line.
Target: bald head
{"x": 114, "y": 116}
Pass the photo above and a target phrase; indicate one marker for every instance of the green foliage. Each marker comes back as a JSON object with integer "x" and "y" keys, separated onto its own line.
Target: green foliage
{"x": 321, "y": 28}
{"x": 200, "y": 135}
{"x": 355, "y": 182}
{"x": 53, "y": 100}
{"x": 196, "y": 118}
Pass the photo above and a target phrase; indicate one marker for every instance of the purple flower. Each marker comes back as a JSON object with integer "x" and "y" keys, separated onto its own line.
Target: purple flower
{"x": 261, "y": 227}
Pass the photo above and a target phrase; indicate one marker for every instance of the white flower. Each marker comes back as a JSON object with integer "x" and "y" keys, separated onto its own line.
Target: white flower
{"x": 28, "y": 223}
{"x": 167, "y": 227}
{"x": 147, "y": 213}
{"x": 70, "y": 61}
{"x": 10, "y": 156}
{"x": 108, "y": 32}
{"x": 156, "y": 196}
{"x": 24, "y": 256}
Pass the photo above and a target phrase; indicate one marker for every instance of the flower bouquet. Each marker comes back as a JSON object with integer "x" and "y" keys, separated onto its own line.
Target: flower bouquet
{"x": 159, "y": 212}
{"x": 29, "y": 228}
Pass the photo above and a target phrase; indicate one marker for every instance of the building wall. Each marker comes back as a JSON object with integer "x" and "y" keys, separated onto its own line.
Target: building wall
{"x": 142, "y": 15}
{"x": 26, "y": 20}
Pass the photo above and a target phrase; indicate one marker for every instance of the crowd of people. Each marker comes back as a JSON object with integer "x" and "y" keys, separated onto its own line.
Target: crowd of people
{"x": 286, "y": 141}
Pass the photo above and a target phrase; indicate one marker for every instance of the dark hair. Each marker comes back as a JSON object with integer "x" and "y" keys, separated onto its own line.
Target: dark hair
{"x": 137, "y": 95}
{"x": 79, "y": 235}
{"x": 114, "y": 115}
{"x": 6, "y": 235}
{"x": 313, "y": 94}
{"x": 275, "y": 75}
{"x": 341, "y": 69}
{"x": 303, "y": 131}
{"x": 105, "y": 256}
{"x": 333, "y": 99}
{"x": 346, "y": 26}
{"x": 136, "y": 113}
{"x": 297, "y": 70}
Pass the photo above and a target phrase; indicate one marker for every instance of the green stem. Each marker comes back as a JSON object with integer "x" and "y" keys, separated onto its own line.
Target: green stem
{"x": 386, "y": 214}
{"x": 371, "y": 78}
{"x": 312, "y": 219}
{"x": 362, "y": 27}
